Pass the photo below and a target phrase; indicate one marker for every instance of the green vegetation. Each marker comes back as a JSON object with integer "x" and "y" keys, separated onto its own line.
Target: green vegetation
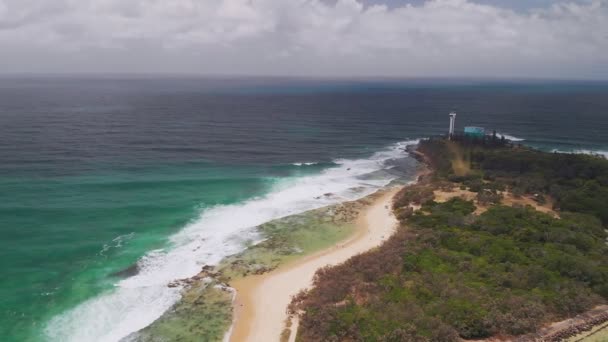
{"x": 448, "y": 273}
{"x": 577, "y": 182}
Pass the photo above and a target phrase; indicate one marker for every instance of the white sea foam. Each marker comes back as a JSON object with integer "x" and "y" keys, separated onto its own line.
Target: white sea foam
{"x": 583, "y": 151}
{"x": 117, "y": 242}
{"x": 305, "y": 163}
{"x": 218, "y": 232}
{"x": 593, "y": 152}
{"x": 509, "y": 137}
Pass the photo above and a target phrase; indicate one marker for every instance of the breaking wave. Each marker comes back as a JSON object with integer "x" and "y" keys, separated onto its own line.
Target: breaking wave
{"x": 510, "y": 137}
{"x": 219, "y": 231}
{"x": 305, "y": 163}
{"x": 583, "y": 151}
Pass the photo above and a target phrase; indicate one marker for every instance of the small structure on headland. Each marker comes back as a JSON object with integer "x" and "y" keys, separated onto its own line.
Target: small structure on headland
{"x": 452, "y": 124}
{"x": 475, "y": 132}
{"x": 469, "y": 131}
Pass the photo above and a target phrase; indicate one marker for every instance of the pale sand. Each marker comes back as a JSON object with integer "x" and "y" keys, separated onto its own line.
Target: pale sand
{"x": 508, "y": 199}
{"x": 261, "y": 301}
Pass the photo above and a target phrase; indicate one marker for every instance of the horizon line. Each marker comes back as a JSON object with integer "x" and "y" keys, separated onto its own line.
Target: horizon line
{"x": 227, "y": 76}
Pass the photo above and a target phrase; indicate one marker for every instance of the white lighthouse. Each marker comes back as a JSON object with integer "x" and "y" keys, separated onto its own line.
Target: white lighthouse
{"x": 452, "y": 123}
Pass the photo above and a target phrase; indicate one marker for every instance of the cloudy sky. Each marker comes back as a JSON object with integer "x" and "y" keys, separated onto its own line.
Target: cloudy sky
{"x": 401, "y": 38}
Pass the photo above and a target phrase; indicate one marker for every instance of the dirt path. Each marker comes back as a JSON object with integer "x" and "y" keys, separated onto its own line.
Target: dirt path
{"x": 460, "y": 166}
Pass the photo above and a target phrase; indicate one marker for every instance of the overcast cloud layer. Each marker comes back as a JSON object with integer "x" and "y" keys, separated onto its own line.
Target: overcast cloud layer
{"x": 304, "y": 37}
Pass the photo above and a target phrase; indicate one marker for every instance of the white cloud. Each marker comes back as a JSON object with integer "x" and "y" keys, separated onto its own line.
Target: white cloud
{"x": 304, "y": 37}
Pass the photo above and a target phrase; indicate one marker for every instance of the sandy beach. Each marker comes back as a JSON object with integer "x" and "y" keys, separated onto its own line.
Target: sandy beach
{"x": 261, "y": 301}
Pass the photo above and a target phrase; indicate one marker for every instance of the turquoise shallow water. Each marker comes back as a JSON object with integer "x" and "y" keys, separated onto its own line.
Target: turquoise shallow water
{"x": 113, "y": 217}
{"x": 95, "y": 174}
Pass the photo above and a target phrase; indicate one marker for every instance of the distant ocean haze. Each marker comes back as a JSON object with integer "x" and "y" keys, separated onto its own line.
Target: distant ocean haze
{"x": 97, "y": 175}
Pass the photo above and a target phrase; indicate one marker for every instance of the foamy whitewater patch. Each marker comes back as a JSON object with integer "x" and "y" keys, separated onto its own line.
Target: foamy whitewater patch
{"x": 219, "y": 231}
{"x": 305, "y": 163}
{"x": 582, "y": 151}
{"x": 509, "y": 137}
{"x": 117, "y": 242}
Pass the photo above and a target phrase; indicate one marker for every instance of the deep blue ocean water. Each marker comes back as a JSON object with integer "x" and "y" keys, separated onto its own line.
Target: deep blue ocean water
{"x": 97, "y": 174}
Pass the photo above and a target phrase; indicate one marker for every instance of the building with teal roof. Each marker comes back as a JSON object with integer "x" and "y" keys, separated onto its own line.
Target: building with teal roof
{"x": 476, "y": 132}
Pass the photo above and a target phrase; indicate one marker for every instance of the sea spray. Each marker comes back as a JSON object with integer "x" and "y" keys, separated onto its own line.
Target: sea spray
{"x": 509, "y": 137}
{"x": 220, "y": 231}
{"x": 305, "y": 163}
{"x": 593, "y": 152}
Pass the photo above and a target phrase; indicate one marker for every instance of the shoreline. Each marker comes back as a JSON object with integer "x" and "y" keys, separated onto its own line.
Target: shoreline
{"x": 260, "y": 306}
{"x": 289, "y": 241}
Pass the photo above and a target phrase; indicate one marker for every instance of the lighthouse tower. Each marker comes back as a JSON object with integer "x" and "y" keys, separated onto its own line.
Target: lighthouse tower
{"x": 452, "y": 122}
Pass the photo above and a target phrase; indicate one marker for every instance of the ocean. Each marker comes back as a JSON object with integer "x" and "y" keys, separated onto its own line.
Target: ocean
{"x": 111, "y": 187}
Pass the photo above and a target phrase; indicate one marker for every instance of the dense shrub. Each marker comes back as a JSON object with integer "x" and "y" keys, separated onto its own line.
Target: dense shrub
{"x": 506, "y": 273}
{"x": 485, "y": 197}
{"x": 451, "y": 274}
{"x": 416, "y": 194}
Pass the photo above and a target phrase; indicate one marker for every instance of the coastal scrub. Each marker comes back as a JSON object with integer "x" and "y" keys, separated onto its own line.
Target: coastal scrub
{"x": 453, "y": 271}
